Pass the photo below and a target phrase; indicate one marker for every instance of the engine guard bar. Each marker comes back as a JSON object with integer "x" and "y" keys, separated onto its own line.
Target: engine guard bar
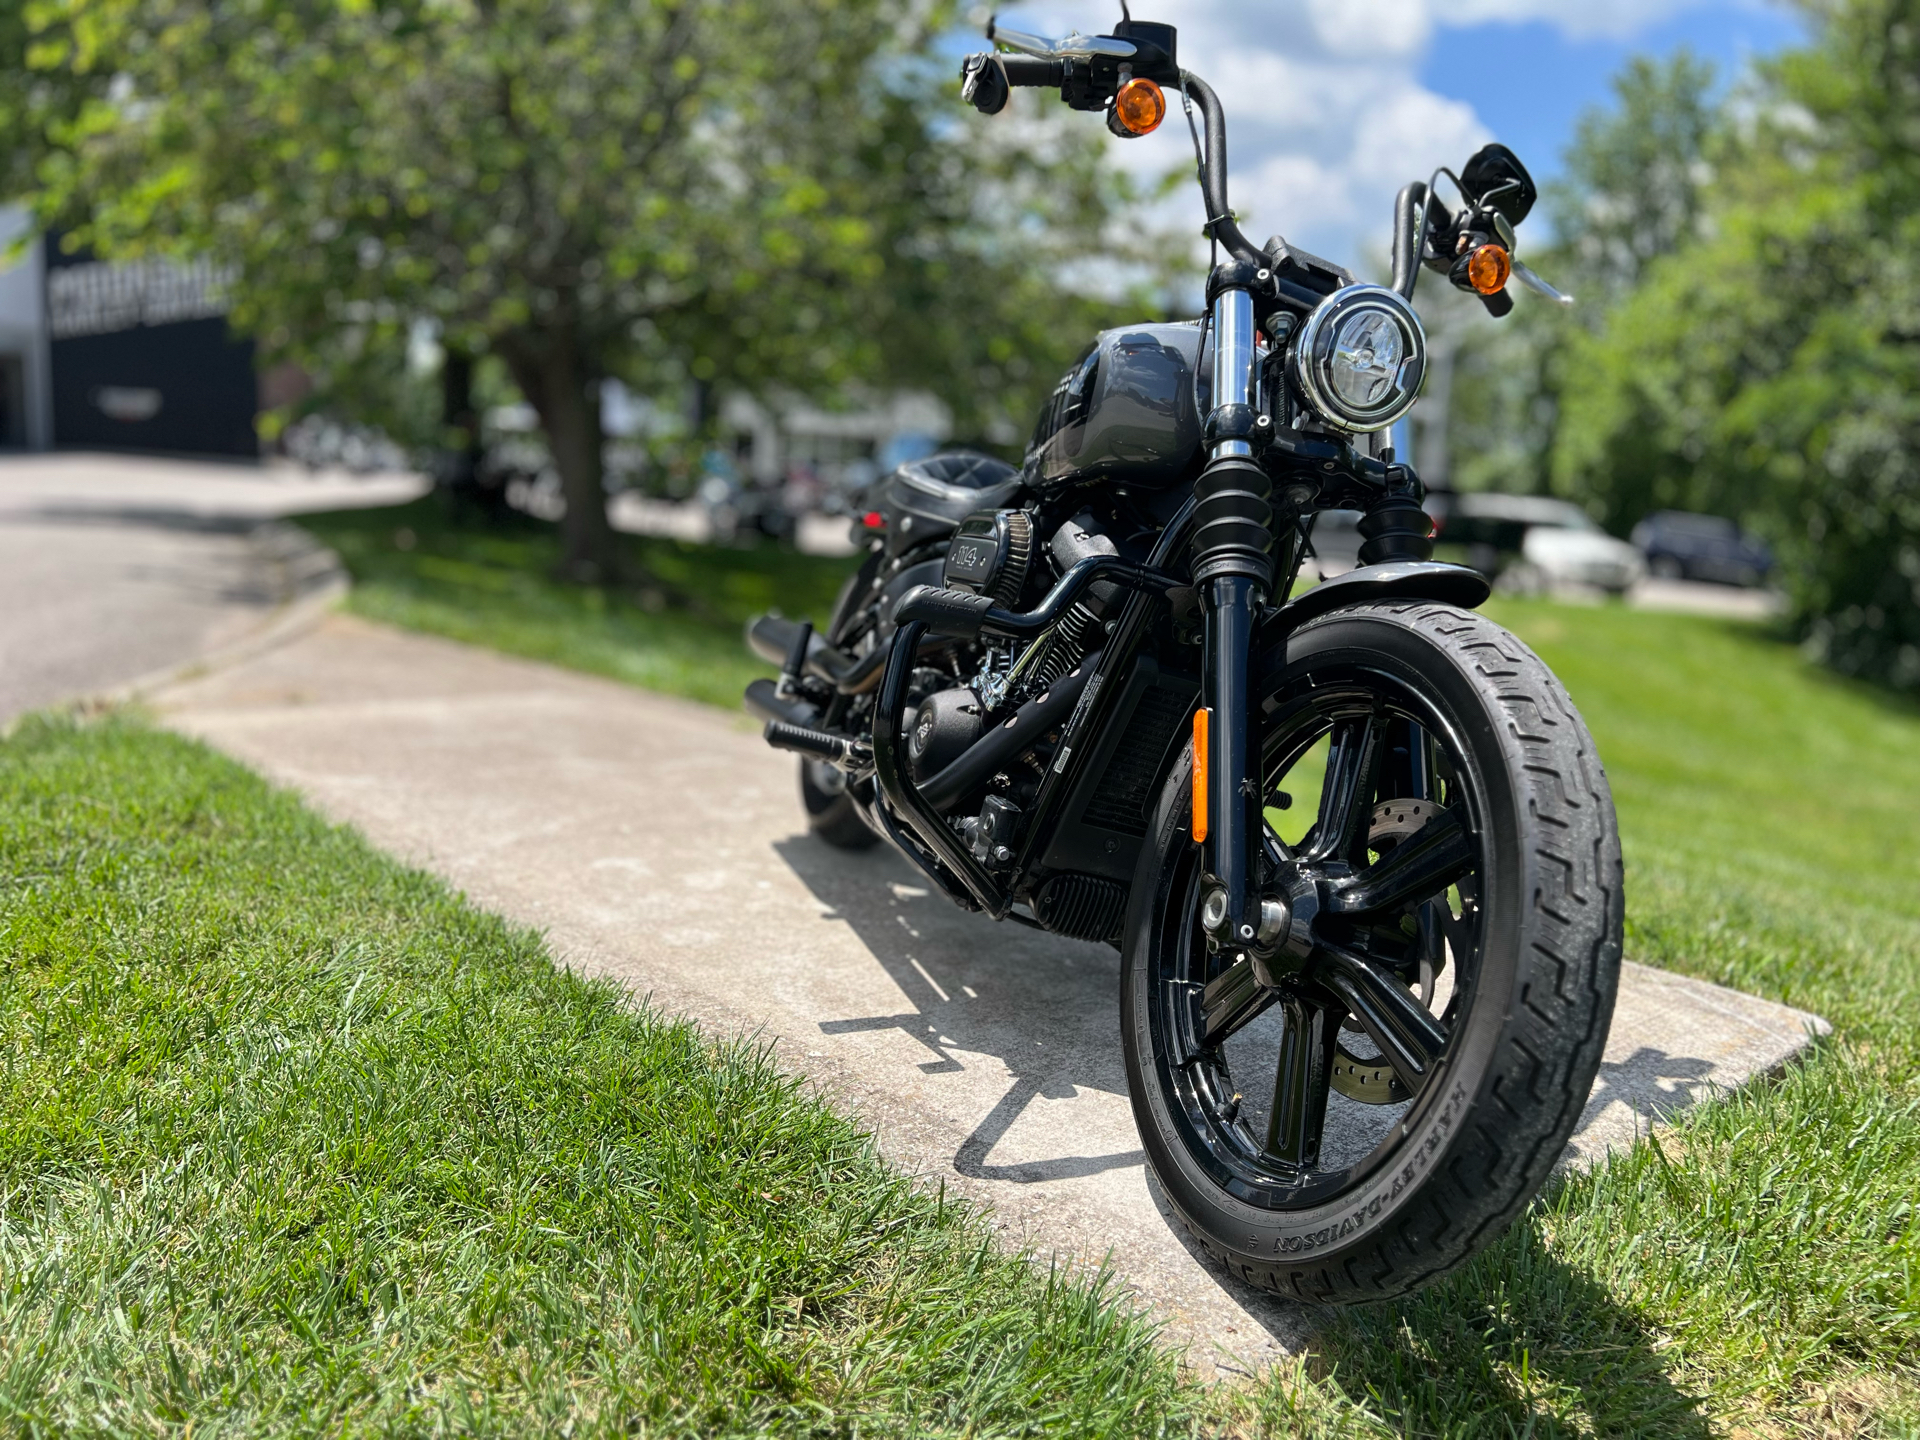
{"x": 904, "y": 796}
{"x": 962, "y": 616}
{"x": 770, "y": 637}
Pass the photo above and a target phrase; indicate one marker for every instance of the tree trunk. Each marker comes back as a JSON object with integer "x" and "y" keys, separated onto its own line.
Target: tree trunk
{"x": 566, "y": 396}
{"x": 459, "y": 423}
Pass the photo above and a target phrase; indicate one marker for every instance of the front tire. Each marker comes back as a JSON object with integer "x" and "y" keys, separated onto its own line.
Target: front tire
{"x": 1385, "y": 1163}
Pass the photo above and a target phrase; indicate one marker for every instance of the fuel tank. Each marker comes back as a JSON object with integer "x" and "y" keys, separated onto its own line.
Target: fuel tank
{"x": 1128, "y": 412}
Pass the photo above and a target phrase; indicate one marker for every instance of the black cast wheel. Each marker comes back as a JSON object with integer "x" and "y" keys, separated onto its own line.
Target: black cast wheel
{"x": 1360, "y": 1107}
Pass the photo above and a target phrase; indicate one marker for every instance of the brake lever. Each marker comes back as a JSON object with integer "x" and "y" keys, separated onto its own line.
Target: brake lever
{"x": 1525, "y": 275}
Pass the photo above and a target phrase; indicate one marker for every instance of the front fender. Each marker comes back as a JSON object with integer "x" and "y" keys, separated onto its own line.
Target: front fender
{"x": 1392, "y": 580}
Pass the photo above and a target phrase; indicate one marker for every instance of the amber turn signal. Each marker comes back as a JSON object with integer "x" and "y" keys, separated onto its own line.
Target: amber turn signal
{"x": 1200, "y": 775}
{"x": 1140, "y": 106}
{"x": 1489, "y": 268}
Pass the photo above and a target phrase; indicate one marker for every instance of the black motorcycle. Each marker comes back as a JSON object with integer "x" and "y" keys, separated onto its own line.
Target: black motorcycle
{"x": 1355, "y": 845}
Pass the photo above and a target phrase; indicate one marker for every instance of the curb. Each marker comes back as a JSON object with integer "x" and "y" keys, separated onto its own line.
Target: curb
{"x": 306, "y": 579}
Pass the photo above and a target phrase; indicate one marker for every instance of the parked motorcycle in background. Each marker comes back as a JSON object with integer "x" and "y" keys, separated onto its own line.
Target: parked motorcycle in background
{"x": 1355, "y": 845}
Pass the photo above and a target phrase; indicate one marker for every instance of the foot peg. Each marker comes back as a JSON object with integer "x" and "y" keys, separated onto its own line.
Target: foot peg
{"x": 816, "y": 744}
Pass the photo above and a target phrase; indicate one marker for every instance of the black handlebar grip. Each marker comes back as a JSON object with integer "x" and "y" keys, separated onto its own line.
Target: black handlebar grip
{"x": 985, "y": 80}
{"x": 945, "y": 612}
{"x": 1033, "y": 72}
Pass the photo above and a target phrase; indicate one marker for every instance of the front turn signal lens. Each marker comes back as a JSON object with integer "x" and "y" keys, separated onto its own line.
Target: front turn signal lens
{"x": 1489, "y": 268}
{"x": 1200, "y": 826}
{"x": 1140, "y": 106}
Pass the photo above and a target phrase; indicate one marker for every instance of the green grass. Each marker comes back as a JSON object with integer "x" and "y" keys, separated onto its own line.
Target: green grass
{"x": 674, "y": 626}
{"x": 293, "y": 1141}
{"x": 1759, "y": 1269}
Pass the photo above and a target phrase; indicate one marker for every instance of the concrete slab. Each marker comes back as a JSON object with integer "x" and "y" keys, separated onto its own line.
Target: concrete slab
{"x": 116, "y": 567}
{"x": 660, "y": 842}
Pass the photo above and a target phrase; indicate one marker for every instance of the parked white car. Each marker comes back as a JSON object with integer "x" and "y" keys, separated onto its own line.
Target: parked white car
{"x": 1565, "y": 555}
{"x": 1535, "y": 543}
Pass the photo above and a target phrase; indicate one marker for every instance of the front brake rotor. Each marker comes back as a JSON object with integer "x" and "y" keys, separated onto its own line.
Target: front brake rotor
{"x": 1373, "y": 1082}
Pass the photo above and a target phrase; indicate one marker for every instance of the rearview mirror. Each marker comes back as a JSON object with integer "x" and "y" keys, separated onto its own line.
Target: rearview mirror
{"x": 1496, "y": 179}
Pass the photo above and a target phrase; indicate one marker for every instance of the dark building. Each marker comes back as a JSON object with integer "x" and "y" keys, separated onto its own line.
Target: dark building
{"x": 141, "y": 357}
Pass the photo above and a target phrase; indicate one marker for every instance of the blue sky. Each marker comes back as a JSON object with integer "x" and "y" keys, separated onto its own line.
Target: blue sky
{"x": 1333, "y": 104}
{"x": 1530, "y": 81}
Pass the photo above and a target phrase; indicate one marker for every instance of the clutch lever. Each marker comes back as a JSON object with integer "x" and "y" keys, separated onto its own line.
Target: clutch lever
{"x": 1525, "y": 275}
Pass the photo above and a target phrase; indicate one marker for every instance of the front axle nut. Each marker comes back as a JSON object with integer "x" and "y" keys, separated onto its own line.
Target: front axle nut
{"x": 1275, "y": 916}
{"x": 1213, "y": 911}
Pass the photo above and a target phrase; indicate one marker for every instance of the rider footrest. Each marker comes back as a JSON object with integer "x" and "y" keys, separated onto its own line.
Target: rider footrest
{"x": 763, "y": 699}
{"x": 815, "y": 743}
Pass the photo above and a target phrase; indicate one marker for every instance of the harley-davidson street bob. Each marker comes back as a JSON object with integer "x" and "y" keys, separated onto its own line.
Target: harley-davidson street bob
{"x": 1354, "y": 844}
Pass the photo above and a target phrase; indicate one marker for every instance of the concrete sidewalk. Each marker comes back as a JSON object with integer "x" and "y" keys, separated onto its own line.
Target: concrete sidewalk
{"x": 116, "y": 568}
{"x": 661, "y": 843}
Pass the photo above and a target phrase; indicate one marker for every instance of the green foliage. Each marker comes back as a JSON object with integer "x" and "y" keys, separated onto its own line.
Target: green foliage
{"x": 295, "y": 1142}
{"x": 1635, "y": 175}
{"x": 1631, "y": 192}
{"x": 1768, "y": 371}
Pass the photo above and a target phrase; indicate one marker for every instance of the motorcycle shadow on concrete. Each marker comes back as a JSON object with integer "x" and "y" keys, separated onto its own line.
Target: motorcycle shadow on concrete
{"x": 1046, "y": 1008}
{"x": 1037, "y": 1017}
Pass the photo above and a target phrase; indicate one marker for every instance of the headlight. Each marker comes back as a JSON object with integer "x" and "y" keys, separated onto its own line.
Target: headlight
{"x": 1360, "y": 358}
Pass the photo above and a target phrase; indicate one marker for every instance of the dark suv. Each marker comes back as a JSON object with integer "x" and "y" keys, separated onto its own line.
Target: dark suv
{"x": 1680, "y": 546}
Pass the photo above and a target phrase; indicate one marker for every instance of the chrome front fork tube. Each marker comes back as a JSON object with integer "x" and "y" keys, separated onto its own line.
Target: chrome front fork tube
{"x": 1232, "y": 364}
{"x": 1233, "y": 570}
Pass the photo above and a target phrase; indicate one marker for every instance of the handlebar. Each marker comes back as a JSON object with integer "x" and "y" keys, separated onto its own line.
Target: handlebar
{"x": 988, "y": 79}
{"x": 1030, "y": 70}
{"x": 1213, "y": 171}
{"x": 1409, "y": 236}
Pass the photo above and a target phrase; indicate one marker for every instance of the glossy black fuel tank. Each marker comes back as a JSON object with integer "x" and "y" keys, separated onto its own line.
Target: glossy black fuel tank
{"x": 1127, "y": 413}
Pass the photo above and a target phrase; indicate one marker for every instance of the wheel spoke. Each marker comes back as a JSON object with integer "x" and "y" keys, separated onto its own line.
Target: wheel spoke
{"x": 1299, "y": 1110}
{"x": 1346, "y": 796}
{"x": 1232, "y": 1000}
{"x": 1416, "y": 869}
{"x": 1407, "y": 1035}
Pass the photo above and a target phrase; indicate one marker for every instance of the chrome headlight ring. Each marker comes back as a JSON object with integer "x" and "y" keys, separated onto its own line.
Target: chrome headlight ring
{"x": 1360, "y": 358}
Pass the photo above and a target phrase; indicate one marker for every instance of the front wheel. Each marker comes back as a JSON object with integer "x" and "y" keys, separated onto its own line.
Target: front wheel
{"x": 1357, "y": 1113}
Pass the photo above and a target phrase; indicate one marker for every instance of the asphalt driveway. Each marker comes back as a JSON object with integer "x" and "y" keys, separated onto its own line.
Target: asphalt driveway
{"x": 116, "y": 568}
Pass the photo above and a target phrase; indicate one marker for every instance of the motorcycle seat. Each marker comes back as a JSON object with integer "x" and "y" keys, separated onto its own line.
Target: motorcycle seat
{"x": 926, "y": 499}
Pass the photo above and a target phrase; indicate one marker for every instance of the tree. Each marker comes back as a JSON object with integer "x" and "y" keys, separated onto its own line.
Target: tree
{"x": 659, "y": 189}
{"x": 1632, "y": 191}
{"x": 1769, "y": 370}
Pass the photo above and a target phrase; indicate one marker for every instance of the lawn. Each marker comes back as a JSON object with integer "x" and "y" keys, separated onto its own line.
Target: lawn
{"x": 294, "y": 1142}
{"x": 674, "y": 624}
{"x": 1758, "y": 1270}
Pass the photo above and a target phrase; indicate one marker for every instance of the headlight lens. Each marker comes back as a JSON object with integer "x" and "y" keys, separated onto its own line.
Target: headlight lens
{"x": 1360, "y": 358}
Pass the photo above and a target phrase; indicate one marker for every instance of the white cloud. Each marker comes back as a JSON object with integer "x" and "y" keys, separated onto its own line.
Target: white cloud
{"x": 1326, "y": 115}
{"x": 1372, "y": 27}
